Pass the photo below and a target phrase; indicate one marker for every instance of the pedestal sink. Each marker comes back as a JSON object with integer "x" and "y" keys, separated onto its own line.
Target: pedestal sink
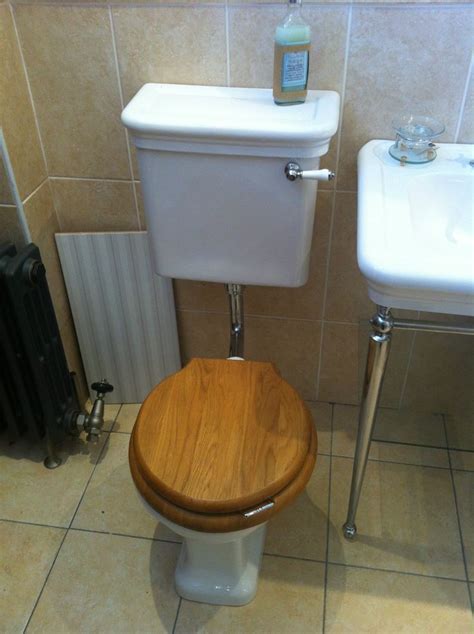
{"x": 415, "y": 247}
{"x": 415, "y": 233}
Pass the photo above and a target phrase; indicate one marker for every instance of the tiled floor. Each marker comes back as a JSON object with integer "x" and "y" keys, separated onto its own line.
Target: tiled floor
{"x": 79, "y": 553}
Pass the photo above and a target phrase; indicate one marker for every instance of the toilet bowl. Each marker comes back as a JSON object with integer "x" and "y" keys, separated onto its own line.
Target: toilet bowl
{"x": 218, "y": 449}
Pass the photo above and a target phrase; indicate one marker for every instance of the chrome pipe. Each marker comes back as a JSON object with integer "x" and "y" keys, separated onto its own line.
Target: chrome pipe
{"x": 377, "y": 357}
{"x": 434, "y": 326}
{"x": 236, "y": 304}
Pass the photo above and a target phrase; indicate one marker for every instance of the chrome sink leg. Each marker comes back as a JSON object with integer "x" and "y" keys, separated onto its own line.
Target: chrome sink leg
{"x": 236, "y": 303}
{"x": 377, "y": 356}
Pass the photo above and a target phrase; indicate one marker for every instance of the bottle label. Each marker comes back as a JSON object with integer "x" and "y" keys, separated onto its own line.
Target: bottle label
{"x": 294, "y": 70}
{"x": 290, "y": 72}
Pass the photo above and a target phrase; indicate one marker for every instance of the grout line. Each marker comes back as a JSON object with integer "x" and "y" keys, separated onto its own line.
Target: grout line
{"x": 405, "y": 378}
{"x": 404, "y": 464}
{"x": 328, "y": 525}
{"x": 46, "y": 580}
{"x": 458, "y": 517}
{"x": 115, "y": 419}
{"x": 333, "y": 206}
{"x": 30, "y": 92}
{"x": 68, "y": 528}
{"x": 147, "y": 539}
{"x": 40, "y": 524}
{"x": 36, "y": 189}
{"x": 463, "y": 100}
{"x": 397, "y": 572}
{"x": 122, "y": 103}
{"x": 90, "y": 178}
{"x": 177, "y": 615}
{"x": 295, "y": 558}
{"x": 227, "y": 41}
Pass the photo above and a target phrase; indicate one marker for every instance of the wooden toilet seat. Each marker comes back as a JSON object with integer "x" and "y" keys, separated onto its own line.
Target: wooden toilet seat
{"x": 222, "y": 445}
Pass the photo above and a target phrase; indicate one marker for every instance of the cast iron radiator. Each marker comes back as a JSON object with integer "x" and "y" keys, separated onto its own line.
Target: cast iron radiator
{"x": 37, "y": 392}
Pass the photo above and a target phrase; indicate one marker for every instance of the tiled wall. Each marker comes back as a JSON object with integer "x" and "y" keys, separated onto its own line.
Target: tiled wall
{"x": 19, "y": 126}
{"x": 85, "y": 60}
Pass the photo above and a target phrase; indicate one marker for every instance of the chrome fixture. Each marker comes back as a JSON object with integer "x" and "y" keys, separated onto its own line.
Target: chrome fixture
{"x": 379, "y": 346}
{"x": 259, "y": 509}
{"x": 92, "y": 423}
{"x": 236, "y": 304}
{"x": 293, "y": 172}
{"x": 414, "y": 139}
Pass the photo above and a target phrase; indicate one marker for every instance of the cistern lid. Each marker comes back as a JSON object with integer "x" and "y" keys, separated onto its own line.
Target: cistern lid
{"x": 245, "y": 119}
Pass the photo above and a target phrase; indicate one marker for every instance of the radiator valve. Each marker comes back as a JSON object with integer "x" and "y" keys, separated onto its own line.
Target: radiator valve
{"x": 92, "y": 423}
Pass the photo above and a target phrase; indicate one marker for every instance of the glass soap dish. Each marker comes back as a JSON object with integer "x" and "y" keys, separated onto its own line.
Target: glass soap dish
{"x": 414, "y": 139}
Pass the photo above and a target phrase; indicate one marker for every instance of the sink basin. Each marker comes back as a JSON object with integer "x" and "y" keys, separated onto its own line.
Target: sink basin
{"x": 415, "y": 235}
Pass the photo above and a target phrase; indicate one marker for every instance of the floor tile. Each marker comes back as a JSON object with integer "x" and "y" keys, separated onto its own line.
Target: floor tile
{"x": 361, "y": 600}
{"x": 110, "y": 413}
{"x": 464, "y": 483}
{"x": 406, "y": 519}
{"x": 43, "y": 495}
{"x": 460, "y": 432}
{"x": 26, "y": 556}
{"x": 127, "y": 417}
{"x": 300, "y": 530}
{"x": 462, "y": 460}
{"x": 289, "y": 599}
{"x": 392, "y": 426}
{"x": 112, "y": 503}
{"x": 106, "y": 583}
{"x": 322, "y": 413}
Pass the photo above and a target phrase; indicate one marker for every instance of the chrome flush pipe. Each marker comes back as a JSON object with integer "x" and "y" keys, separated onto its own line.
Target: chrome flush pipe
{"x": 236, "y": 304}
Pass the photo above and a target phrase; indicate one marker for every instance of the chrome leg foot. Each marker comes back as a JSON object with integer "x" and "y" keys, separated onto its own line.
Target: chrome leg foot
{"x": 377, "y": 356}
{"x": 349, "y": 530}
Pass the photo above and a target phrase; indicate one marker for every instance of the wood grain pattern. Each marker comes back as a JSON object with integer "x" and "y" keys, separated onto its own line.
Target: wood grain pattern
{"x": 220, "y": 522}
{"x": 221, "y": 436}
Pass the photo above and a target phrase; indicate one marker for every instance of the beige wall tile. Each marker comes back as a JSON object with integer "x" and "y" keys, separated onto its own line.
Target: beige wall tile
{"x": 344, "y": 353}
{"x": 43, "y": 224}
{"x": 16, "y": 112}
{"x": 27, "y": 554}
{"x": 441, "y": 374}
{"x": 292, "y": 344}
{"x": 406, "y": 519}
{"x": 347, "y": 298}
{"x": 70, "y": 61}
{"x": 290, "y": 592}
{"x": 136, "y": 592}
{"x": 466, "y": 131}
{"x": 171, "y": 45}
{"x": 95, "y": 205}
{"x": 6, "y": 197}
{"x": 10, "y": 229}
{"x": 391, "y": 72}
{"x": 251, "y": 36}
{"x": 464, "y": 483}
{"x": 368, "y": 601}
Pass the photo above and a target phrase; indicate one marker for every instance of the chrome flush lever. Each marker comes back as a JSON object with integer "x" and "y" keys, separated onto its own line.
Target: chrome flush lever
{"x": 293, "y": 171}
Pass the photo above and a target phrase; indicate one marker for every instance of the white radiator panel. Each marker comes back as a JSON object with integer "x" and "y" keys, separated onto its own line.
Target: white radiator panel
{"x": 123, "y": 312}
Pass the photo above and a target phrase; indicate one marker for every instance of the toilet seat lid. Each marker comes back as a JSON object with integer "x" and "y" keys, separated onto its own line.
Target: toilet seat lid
{"x": 222, "y": 436}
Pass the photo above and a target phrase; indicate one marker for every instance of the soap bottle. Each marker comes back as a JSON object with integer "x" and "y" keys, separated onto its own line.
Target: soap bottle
{"x": 291, "y": 62}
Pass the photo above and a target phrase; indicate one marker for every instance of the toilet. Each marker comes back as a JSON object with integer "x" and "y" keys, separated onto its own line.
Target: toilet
{"x": 229, "y": 184}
